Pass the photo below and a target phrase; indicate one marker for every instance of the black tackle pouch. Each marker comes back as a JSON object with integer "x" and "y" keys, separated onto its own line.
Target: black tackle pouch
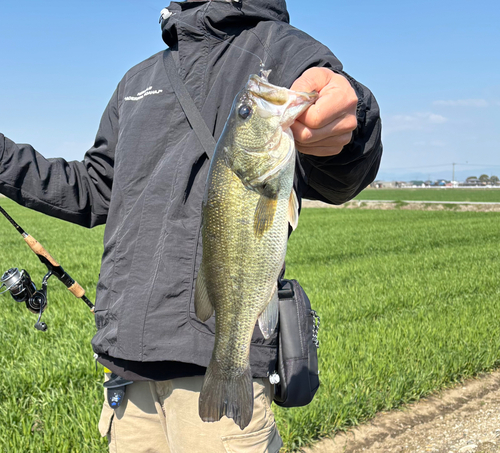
{"x": 297, "y": 365}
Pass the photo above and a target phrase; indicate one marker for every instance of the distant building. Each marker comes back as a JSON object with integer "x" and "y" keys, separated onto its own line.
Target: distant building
{"x": 473, "y": 182}
{"x": 383, "y": 184}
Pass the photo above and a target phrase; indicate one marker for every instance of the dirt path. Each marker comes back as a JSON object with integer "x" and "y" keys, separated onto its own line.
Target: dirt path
{"x": 463, "y": 419}
{"x": 408, "y": 205}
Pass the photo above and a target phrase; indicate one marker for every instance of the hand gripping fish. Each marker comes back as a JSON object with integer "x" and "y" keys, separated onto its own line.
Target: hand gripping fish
{"x": 249, "y": 202}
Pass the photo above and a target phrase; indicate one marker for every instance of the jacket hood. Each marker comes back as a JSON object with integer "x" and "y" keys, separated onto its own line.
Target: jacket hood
{"x": 219, "y": 17}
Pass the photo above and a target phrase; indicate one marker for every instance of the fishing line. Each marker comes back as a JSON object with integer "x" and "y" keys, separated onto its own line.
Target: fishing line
{"x": 168, "y": 15}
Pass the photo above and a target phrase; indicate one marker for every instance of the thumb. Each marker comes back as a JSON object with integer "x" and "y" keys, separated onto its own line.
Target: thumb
{"x": 314, "y": 79}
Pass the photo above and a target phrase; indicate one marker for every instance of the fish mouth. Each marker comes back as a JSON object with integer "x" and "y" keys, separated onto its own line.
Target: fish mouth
{"x": 300, "y": 102}
{"x": 265, "y": 90}
{"x": 279, "y": 101}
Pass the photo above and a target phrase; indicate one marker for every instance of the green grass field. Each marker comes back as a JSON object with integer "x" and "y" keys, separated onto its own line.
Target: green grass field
{"x": 409, "y": 303}
{"x": 450, "y": 194}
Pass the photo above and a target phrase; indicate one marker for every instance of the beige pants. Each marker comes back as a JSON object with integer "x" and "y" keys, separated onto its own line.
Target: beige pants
{"x": 162, "y": 417}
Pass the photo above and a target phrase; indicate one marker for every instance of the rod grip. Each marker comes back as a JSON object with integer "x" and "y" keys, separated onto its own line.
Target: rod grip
{"x": 39, "y": 250}
{"x": 77, "y": 290}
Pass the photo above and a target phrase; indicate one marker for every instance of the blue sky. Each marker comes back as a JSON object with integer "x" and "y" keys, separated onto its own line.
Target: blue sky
{"x": 433, "y": 66}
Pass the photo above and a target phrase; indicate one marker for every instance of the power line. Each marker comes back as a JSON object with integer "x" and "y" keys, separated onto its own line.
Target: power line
{"x": 440, "y": 165}
{"x": 481, "y": 165}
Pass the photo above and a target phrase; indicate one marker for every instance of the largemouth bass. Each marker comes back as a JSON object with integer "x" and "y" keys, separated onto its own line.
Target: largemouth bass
{"x": 249, "y": 202}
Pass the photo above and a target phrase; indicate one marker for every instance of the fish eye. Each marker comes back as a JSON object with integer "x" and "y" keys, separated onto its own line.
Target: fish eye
{"x": 244, "y": 111}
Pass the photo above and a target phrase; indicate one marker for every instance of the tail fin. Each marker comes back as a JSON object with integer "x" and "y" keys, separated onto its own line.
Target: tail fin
{"x": 231, "y": 396}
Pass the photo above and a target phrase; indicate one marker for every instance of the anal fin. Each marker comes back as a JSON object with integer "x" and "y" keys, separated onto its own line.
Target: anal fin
{"x": 268, "y": 319}
{"x": 202, "y": 305}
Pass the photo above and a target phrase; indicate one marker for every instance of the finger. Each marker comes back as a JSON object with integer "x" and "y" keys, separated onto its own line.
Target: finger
{"x": 331, "y": 105}
{"x": 336, "y": 96}
{"x": 340, "y": 126}
{"x": 314, "y": 79}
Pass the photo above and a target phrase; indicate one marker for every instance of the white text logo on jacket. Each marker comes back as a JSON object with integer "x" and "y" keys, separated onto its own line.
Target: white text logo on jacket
{"x": 142, "y": 94}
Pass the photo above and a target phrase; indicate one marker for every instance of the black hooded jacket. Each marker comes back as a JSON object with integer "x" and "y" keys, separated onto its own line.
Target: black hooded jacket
{"x": 145, "y": 175}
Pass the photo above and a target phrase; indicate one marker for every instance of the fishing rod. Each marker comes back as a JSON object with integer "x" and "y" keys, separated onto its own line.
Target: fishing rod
{"x": 22, "y": 288}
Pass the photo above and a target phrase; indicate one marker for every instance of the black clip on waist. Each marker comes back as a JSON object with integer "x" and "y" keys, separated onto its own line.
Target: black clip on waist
{"x": 116, "y": 386}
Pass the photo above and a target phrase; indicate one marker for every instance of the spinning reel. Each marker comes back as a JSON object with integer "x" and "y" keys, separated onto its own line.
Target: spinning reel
{"x": 22, "y": 288}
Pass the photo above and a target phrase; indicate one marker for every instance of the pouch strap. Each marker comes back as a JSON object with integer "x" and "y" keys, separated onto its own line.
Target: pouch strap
{"x": 190, "y": 110}
{"x": 285, "y": 289}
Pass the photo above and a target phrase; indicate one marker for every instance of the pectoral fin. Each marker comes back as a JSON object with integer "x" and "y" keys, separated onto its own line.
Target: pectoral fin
{"x": 268, "y": 319}
{"x": 264, "y": 215}
{"x": 202, "y": 305}
{"x": 293, "y": 210}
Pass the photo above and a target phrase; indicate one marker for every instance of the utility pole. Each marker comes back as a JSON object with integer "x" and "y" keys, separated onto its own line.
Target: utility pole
{"x": 453, "y": 172}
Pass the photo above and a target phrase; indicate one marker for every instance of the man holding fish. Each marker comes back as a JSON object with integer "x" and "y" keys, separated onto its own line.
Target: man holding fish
{"x": 176, "y": 247}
